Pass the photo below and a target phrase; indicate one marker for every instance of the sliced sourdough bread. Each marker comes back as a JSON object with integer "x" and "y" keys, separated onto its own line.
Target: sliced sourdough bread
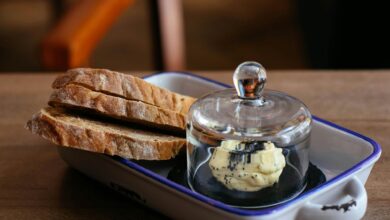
{"x": 125, "y": 86}
{"x": 76, "y": 96}
{"x": 63, "y": 128}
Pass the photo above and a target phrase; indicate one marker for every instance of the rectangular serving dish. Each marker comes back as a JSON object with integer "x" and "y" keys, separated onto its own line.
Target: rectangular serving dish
{"x": 345, "y": 157}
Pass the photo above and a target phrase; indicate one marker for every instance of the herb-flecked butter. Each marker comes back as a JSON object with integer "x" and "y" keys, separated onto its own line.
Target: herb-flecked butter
{"x": 247, "y": 166}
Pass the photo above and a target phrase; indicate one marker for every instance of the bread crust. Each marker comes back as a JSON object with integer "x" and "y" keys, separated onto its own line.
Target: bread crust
{"x": 125, "y": 86}
{"x": 134, "y": 111}
{"x": 62, "y": 128}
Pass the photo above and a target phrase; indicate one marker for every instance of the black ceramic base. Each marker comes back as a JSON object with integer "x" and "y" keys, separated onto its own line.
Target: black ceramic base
{"x": 268, "y": 196}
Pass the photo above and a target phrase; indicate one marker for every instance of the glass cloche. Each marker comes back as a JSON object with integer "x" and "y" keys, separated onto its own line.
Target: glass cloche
{"x": 249, "y": 146}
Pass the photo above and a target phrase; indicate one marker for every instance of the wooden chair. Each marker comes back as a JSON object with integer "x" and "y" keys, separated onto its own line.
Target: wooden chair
{"x": 70, "y": 43}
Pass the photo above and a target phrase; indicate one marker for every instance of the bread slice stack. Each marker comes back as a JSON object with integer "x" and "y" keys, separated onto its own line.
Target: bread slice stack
{"x": 109, "y": 112}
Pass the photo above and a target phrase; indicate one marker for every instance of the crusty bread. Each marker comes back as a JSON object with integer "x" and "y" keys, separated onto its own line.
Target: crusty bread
{"x": 76, "y": 96}
{"x": 63, "y": 128}
{"x": 125, "y": 86}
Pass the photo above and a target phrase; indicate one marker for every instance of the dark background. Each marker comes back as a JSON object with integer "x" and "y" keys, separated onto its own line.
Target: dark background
{"x": 283, "y": 34}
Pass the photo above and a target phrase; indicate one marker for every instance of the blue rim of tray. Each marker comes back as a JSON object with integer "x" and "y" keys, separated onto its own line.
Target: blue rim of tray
{"x": 372, "y": 157}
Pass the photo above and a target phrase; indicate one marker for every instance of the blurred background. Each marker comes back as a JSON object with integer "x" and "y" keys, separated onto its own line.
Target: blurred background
{"x": 45, "y": 35}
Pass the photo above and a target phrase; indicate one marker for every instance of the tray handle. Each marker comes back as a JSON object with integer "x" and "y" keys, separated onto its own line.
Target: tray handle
{"x": 353, "y": 209}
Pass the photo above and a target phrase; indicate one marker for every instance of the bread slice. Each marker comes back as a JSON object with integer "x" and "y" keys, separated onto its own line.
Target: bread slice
{"x": 76, "y": 96}
{"x": 125, "y": 86}
{"x": 81, "y": 132}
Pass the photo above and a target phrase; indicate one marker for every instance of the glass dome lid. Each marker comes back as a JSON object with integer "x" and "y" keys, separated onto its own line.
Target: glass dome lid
{"x": 249, "y": 112}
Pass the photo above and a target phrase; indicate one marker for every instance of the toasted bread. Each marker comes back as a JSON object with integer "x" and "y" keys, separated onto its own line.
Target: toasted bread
{"x": 82, "y": 132}
{"x": 76, "y": 96}
{"x": 125, "y": 86}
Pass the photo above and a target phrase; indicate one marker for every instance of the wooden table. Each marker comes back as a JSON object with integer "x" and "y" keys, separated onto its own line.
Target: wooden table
{"x": 36, "y": 184}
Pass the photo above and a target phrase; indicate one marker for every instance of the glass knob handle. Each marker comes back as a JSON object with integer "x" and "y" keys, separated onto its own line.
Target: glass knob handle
{"x": 249, "y": 79}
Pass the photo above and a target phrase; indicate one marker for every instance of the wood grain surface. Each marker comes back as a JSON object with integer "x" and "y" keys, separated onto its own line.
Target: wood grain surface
{"x": 36, "y": 184}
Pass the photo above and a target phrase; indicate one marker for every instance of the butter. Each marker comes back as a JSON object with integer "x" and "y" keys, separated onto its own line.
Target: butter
{"x": 247, "y": 166}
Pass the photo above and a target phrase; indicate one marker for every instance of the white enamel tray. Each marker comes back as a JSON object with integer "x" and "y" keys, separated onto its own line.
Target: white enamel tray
{"x": 345, "y": 157}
